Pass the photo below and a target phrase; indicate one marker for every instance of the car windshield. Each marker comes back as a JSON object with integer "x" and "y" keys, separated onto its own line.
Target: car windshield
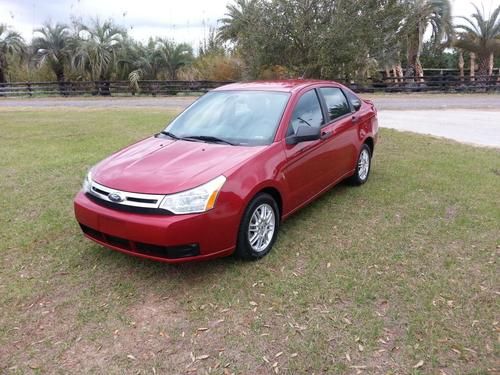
{"x": 236, "y": 117}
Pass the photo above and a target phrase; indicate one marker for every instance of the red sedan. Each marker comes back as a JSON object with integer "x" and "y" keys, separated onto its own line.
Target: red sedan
{"x": 225, "y": 172}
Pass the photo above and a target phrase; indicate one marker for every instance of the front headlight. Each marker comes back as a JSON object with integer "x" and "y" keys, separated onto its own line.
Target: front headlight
{"x": 87, "y": 182}
{"x": 199, "y": 199}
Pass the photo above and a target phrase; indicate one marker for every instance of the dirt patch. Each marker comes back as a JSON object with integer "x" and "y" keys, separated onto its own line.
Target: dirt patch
{"x": 451, "y": 212}
{"x": 148, "y": 330}
{"x": 387, "y": 355}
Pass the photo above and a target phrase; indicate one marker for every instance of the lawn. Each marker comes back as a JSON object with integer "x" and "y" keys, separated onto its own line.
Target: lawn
{"x": 397, "y": 276}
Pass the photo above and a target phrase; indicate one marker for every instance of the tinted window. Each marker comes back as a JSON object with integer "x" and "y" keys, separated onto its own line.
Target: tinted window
{"x": 352, "y": 98}
{"x": 336, "y": 102}
{"x": 307, "y": 112}
{"x": 242, "y": 117}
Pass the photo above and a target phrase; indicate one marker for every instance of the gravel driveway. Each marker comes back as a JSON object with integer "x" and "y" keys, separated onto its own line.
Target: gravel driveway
{"x": 466, "y": 126}
{"x": 468, "y": 118}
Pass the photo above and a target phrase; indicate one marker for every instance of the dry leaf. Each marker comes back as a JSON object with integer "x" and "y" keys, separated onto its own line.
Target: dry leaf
{"x": 278, "y": 354}
{"x": 253, "y": 303}
{"x": 361, "y": 348}
{"x": 348, "y": 357}
{"x": 419, "y": 364}
{"x": 202, "y": 357}
{"x": 293, "y": 355}
{"x": 130, "y": 356}
{"x": 201, "y": 329}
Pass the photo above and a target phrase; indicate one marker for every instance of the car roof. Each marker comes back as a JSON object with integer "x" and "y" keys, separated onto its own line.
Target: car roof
{"x": 288, "y": 85}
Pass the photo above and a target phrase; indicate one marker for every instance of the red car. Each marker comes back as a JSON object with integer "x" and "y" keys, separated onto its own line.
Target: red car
{"x": 225, "y": 172}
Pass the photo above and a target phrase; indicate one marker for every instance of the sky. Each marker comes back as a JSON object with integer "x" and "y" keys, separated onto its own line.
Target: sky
{"x": 180, "y": 20}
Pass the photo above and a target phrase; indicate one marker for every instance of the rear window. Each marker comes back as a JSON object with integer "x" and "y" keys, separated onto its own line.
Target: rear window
{"x": 336, "y": 102}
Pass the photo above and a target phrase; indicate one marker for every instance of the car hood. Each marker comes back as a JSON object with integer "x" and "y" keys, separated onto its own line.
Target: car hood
{"x": 163, "y": 166}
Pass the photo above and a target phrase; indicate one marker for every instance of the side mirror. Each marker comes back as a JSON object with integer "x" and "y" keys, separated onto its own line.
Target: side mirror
{"x": 304, "y": 133}
{"x": 356, "y": 103}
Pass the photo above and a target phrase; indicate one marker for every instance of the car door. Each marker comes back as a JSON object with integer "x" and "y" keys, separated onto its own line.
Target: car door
{"x": 340, "y": 133}
{"x": 305, "y": 161}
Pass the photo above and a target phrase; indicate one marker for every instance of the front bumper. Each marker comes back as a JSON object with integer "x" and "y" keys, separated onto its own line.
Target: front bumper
{"x": 164, "y": 238}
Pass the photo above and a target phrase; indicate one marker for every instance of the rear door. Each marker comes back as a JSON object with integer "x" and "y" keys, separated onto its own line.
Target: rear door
{"x": 340, "y": 132}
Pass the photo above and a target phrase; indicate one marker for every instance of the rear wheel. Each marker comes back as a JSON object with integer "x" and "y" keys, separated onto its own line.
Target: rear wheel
{"x": 259, "y": 228}
{"x": 363, "y": 166}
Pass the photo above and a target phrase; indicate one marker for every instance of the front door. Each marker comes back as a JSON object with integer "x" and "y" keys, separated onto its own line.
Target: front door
{"x": 306, "y": 161}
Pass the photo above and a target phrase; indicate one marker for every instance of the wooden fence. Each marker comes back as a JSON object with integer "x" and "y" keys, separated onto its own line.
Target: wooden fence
{"x": 106, "y": 88}
{"x": 436, "y": 83}
{"x": 430, "y": 83}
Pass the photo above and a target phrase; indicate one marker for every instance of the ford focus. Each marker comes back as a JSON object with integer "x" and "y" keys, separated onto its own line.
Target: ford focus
{"x": 225, "y": 173}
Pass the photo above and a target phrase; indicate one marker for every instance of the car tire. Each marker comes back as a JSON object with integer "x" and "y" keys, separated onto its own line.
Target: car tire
{"x": 258, "y": 228}
{"x": 363, "y": 166}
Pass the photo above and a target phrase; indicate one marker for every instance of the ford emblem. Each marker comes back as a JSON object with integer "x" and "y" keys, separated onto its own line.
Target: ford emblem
{"x": 115, "y": 197}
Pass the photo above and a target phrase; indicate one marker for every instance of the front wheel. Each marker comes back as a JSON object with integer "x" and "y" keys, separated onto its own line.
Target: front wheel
{"x": 259, "y": 228}
{"x": 363, "y": 165}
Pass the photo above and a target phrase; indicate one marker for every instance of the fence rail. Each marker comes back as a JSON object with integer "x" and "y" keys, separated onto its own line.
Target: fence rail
{"x": 436, "y": 83}
{"x": 106, "y": 88}
{"x": 433, "y": 83}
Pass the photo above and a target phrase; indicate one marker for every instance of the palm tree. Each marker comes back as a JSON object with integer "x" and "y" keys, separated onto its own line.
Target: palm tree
{"x": 172, "y": 56}
{"x": 481, "y": 37}
{"x": 145, "y": 64}
{"x": 235, "y": 20}
{"x": 11, "y": 43}
{"x": 96, "y": 51}
{"x": 51, "y": 48}
{"x": 421, "y": 15}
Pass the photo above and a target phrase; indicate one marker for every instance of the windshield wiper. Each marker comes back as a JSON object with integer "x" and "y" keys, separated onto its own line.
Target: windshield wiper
{"x": 208, "y": 138}
{"x": 171, "y": 135}
{"x": 302, "y": 120}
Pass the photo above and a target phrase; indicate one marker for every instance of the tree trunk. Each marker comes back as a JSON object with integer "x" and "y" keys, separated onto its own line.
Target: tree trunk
{"x": 2, "y": 79}
{"x": 395, "y": 73}
{"x": 399, "y": 72}
{"x": 419, "y": 71}
{"x": 484, "y": 66}
{"x": 104, "y": 86}
{"x": 3, "y": 68}
{"x": 461, "y": 64}
{"x": 61, "y": 81}
{"x": 413, "y": 54}
{"x": 387, "y": 75}
{"x": 472, "y": 66}
{"x": 491, "y": 64}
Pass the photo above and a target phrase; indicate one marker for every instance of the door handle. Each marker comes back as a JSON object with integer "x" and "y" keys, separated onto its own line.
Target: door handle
{"x": 326, "y": 135}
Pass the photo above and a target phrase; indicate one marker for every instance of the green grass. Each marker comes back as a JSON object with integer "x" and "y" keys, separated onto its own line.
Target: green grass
{"x": 376, "y": 279}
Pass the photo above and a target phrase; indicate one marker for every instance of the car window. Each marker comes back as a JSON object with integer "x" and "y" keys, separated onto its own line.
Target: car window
{"x": 352, "y": 98}
{"x": 307, "y": 112}
{"x": 336, "y": 102}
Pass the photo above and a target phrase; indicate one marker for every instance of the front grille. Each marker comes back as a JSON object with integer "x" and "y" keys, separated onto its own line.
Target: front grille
{"x": 127, "y": 199}
{"x": 125, "y": 208}
{"x": 165, "y": 252}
